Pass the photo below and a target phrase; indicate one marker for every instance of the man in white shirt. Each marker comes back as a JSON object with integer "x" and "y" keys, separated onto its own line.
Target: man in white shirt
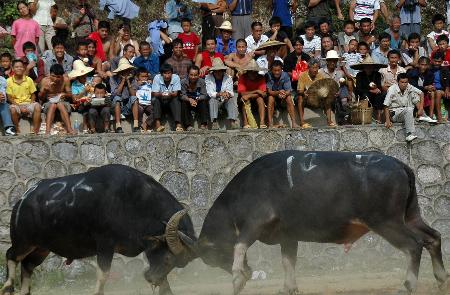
{"x": 399, "y": 105}
{"x": 256, "y": 39}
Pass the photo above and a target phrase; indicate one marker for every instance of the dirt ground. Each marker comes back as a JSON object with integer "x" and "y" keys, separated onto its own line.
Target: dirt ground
{"x": 385, "y": 283}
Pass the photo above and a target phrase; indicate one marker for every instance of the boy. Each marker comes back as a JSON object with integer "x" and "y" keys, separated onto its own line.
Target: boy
{"x": 438, "y": 21}
{"x": 347, "y": 35}
{"x": 35, "y": 67}
{"x": 56, "y": 92}
{"x": 442, "y": 42}
{"x": 144, "y": 95}
{"x": 166, "y": 91}
{"x": 190, "y": 40}
{"x": 123, "y": 93}
{"x": 148, "y": 59}
{"x": 21, "y": 93}
{"x": 256, "y": 39}
{"x": 101, "y": 111}
{"x": 363, "y": 49}
{"x": 312, "y": 43}
{"x": 441, "y": 81}
{"x": 411, "y": 54}
{"x": 423, "y": 78}
{"x": 6, "y": 65}
{"x": 276, "y": 34}
{"x": 5, "y": 112}
{"x": 279, "y": 88}
{"x": 351, "y": 57}
{"x": 390, "y": 73}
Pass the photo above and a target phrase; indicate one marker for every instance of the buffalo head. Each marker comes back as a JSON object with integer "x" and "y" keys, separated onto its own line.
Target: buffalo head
{"x": 173, "y": 249}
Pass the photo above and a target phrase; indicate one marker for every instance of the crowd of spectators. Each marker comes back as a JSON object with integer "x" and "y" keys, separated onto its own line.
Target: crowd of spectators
{"x": 236, "y": 63}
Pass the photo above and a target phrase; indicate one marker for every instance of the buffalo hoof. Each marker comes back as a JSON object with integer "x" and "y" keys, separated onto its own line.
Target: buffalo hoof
{"x": 289, "y": 292}
{"x": 239, "y": 280}
{"x": 8, "y": 290}
{"x": 445, "y": 287}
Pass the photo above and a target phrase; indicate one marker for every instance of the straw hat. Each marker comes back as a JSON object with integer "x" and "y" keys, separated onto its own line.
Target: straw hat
{"x": 322, "y": 93}
{"x": 332, "y": 54}
{"x": 252, "y": 66}
{"x": 270, "y": 43}
{"x": 124, "y": 64}
{"x": 79, "y": 69}
{"x": 217, "y": 65}
{"x": 368, "y": 61}
{"x": 226, "y": 26}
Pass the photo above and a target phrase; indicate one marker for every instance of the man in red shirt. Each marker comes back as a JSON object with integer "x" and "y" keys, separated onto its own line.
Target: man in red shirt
{"x": 204, "y": 59}
{"x": 252, "y": 87}
{"x": 190, "y": 40}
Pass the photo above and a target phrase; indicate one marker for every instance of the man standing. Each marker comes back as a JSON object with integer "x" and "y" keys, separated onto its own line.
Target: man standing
{"x": 410, "y": 15}
{"x": 241, "y": 11}
{"x": 212, "y": 17}
{"x": 399, "y": 105}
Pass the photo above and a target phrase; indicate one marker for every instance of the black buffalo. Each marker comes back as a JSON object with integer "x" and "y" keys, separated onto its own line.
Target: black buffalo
{"x": 324, "y": 197}
{"x": 111, "y": 209}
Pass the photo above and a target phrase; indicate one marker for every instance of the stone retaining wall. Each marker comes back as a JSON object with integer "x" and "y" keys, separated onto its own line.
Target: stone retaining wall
{"x": 195, "y": 167}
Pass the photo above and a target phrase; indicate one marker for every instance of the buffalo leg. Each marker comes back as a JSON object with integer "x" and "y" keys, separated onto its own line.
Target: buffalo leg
{"x": 240, "y": 268}
{"x": 401, "y": 237}
{"x": 13, "y": 257}
{"x": 104, "y": 260}
{"x": 432, "y": 242}
{"x": 30, "y": 262}
{"x": 164, "y": 288}
{"x": 289, "y": 259}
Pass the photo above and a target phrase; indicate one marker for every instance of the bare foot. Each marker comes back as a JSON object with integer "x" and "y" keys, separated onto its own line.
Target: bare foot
{"x": 347, "y": 247}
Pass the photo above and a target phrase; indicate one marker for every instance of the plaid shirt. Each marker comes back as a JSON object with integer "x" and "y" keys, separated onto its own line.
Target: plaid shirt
{"x": 180, "y": 65}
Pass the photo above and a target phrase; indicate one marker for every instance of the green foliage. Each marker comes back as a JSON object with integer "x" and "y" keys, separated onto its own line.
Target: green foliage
{"x": 9, "y": 13}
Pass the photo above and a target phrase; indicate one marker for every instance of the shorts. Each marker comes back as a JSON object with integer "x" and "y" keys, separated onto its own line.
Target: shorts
{"x": 29, "y": 107}
{"x": 46, "y": 106}
{"x": 126, "y": 105}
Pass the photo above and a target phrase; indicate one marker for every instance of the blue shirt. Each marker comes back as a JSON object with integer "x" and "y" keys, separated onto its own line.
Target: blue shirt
{"x": 160, "y": 86}
{"x": 378, "y": 56}
{"x": 220, "y": 46}
{"x": 284, "y": 83}
{"x": 281, "y": 9}
{"x": 243, "y": 7}
{"x": 151, "y": 64}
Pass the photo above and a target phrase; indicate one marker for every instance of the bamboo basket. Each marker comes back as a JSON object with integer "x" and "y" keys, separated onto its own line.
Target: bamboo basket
{"x": 361, "y": 113}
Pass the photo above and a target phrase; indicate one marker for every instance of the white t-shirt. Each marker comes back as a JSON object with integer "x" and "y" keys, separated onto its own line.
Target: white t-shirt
{"x": 365, "y": 8}
{"x": 433, "y": 36}
{"x": 42, "y": 15}
{"x": 252, "y": 45}
{"x": 311, "y": 45}
{"x": 144, "y": 94}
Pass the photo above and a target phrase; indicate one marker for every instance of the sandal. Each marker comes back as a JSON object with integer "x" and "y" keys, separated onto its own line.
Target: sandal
{"x": 160, "y": 129}
{"x": 263, "y": 126}
{"x": 306, "y": 125}
{"x": 332, "y": 125}
{"x": 179, "y": 129}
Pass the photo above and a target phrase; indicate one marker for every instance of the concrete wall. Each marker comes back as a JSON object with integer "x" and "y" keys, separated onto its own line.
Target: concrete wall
{"x": 195, "y": 167}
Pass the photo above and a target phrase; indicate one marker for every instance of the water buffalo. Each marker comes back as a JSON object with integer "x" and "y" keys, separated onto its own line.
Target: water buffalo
{"x": 110, "y": 209}
{"x": 323, "y": 197}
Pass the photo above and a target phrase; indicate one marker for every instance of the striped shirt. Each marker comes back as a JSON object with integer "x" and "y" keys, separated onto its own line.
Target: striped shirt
{"x": 365, "y": 8}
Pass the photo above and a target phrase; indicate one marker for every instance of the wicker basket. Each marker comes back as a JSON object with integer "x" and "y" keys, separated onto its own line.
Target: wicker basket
{"x": 361, "y": 113}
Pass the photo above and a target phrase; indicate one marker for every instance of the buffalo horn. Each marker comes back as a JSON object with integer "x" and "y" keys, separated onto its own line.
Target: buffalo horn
{"x": 172, "y": 238}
